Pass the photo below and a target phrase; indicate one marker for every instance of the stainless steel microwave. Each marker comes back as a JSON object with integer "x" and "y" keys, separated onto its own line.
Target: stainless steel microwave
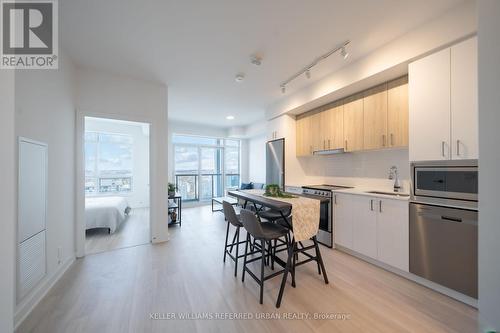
{"x": 450, "y": 183}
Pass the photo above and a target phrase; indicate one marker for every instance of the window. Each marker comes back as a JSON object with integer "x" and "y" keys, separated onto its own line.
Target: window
{"x": 108, "y": 163}
{"x": 205, "y": 167}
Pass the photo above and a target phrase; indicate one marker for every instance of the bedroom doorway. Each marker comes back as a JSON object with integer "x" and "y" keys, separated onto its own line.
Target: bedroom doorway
{"x": 116, "y": 160}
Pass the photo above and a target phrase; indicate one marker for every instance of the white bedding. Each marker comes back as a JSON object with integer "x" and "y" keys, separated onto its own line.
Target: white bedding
{"x": 105, "y": 212}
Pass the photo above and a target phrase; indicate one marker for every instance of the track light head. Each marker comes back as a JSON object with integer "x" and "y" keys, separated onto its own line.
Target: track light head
{"x": 308, "y": 74}
{"x": 283, "y": 89}
{"x": 344, "y": 53}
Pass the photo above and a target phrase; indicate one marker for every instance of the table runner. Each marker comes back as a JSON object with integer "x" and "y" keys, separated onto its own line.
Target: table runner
{"x": 305, "y": 212}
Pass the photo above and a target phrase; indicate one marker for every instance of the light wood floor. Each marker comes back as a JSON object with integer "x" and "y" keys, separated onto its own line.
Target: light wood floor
{"x": 133, "y": 231}
{"x": 117, "y": 291}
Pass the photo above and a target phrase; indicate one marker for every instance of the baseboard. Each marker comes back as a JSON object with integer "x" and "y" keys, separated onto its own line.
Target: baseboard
{"x": 415, "y": 278}
{"x": 24, "y": 308}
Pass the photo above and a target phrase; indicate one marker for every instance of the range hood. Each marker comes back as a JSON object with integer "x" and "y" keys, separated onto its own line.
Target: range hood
{"x": 329, "y": 151}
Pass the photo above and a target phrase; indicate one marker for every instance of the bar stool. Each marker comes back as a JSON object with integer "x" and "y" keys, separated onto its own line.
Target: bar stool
{"x": 232, "y": 219}
{"x": 264, "y": 232}
{"x": 275, "y": 216}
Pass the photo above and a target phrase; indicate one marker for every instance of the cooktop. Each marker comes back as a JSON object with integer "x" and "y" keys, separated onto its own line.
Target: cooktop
{"x": 326, "y": 187}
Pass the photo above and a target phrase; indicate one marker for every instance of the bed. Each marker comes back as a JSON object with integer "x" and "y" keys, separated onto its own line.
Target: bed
{"x": 105, "y": 212}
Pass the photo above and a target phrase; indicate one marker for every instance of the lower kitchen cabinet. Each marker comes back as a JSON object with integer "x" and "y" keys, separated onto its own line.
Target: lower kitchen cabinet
{"x": 393, "y": 233}
{"x": 374, "y": 227}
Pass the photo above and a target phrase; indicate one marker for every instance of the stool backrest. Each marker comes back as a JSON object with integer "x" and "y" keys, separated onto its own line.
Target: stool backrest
{"x": 230, "y": 214}
{"x": 251, "y": 223}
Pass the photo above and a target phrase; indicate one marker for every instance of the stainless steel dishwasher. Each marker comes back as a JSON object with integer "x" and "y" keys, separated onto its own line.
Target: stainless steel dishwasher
{"x": 443, "y": 223}
{"x": 443, "y": 246}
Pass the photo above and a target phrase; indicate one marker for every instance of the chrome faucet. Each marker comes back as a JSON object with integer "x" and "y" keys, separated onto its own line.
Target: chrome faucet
{"x": 394, "y": 174}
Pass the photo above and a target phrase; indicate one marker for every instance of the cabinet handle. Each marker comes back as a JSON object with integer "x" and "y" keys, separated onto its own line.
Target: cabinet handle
{"x": 458, "y": 147}
{"x": 310, "y": 149}
{"x": 324, "y": 144}
{"x": 380, "y": 206}
{"x": 371, "y": 205}
{"x": 328, "y": 143}
{"x": 442, "y": 148}
{"x": 346, "y": 145}
{"x": 334, "y": 199}
{"x": 383, "y": 140}
{"x": 392, "y": 139}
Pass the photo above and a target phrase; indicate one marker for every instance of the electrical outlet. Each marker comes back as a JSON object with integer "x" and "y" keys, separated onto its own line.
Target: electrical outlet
{"x": 59, "y": 255}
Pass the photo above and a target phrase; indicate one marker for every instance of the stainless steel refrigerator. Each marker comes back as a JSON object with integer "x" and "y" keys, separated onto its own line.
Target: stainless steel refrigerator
{"x": 275, "y": 162}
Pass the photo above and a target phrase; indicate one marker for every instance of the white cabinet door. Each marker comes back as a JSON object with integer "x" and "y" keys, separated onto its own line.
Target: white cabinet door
{"x": 429, "y": 103}
{"x": 343, "y": 210}
{"x": 464, "y": 107}
{"x": 364, "y": 225}
{"x": 393, "y": 233}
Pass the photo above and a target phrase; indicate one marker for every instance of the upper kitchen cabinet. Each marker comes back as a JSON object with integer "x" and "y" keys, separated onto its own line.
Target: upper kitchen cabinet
{"x": 443, "y": 104}
{"x": 353, "y": 123}
{"x": 375, "y": 117}
{"x": 303, "y": 137}
{"x": 464, "y": 106}
{"x": 429, "y": 102}
{"x": 397, "y": 112}
{"x": 334, "y": 123}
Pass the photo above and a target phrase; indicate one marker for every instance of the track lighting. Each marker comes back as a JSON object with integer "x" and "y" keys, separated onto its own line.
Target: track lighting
{"x": 306, "y": 70}
{"x": 344, "y": 53}
{"x": 256, "y": 60}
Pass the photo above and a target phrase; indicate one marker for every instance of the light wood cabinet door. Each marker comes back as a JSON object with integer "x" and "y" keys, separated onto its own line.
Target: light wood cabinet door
{"x": 364, "y": 225}
{"x": 343, "y": 209}
{"x": 325, "y": 129}
{"x": 317, "y": 141}
{"x": 353, "y": 123}
{"x": 335, "y": 124}
{"x": 375, "y": 117}
{"x": 464, "y": 106}
{"x": 429, "y": 103}
{"x": 397, "y": 112}
{"x": 393, "y": 233}
{"x": 304, "y": 144}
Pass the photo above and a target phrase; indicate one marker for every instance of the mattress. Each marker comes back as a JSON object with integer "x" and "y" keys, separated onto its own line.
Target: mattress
{"x": 105, "y": 212}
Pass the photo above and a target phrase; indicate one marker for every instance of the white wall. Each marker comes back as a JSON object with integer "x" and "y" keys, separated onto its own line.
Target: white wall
{"x": 121, "y": 97}
{"x": 455, "y": 25}
{"x": 139, "y": 197}
{"x": 8, "y": 197}
{"x": 45, "y": 111}
{"x": 257, "y": 159}
{"x": 489, "y": 164}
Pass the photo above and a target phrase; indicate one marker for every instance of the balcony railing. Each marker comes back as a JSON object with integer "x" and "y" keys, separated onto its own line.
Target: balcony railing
{"x": 203, "y": 187}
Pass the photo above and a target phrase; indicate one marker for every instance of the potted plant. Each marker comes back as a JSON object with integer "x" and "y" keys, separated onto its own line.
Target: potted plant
{"x": 171, "y": 189}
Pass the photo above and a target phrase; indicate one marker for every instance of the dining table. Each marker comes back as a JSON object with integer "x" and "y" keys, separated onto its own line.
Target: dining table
{"x": 301, "y": 214}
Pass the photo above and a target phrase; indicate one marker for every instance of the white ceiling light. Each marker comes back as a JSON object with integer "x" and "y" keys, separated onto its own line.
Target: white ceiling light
{"x": 239, "y": 77}
{"x": 344, "y": 53}
{"x": 256, "y": 60}
{"x": 230, "y": 117}
{"x": 306, "y": 70}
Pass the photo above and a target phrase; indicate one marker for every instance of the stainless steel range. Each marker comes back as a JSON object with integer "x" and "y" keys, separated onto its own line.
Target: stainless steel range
{"x": 324, "y": 192}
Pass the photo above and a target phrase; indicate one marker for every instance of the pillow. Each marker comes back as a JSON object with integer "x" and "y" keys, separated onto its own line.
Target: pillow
{"x": 246, "y": 186}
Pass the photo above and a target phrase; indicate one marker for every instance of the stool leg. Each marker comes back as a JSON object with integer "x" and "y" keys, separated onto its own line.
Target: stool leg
{"x": 245, "y": 258}
{"x": 237, "y": 251}
{"x": 263, "y": 246}
{"x": 273, "y": 254}
{"x": 285, "y": 274}
{"x": 294, "y": 261}
{"x": 225, "y": 244}
{"x": 320, "y": 259}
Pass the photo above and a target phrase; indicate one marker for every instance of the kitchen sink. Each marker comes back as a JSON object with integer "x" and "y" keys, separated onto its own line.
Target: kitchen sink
{"x": 395, "y": 194}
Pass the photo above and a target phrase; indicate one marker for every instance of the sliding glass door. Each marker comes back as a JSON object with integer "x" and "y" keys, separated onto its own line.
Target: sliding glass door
{"x": 205, "y": 167}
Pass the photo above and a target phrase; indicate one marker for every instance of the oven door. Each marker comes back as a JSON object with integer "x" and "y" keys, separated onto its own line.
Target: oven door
{"x": 325, "y": 235}
{"x": 459, "y": 183}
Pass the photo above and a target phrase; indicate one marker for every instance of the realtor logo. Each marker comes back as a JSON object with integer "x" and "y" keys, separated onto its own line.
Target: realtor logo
{"x": 29, "y": 34}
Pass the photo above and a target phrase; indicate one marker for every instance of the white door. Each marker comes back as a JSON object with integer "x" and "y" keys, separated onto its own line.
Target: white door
{"x": 429, "y": 103}
{"x": 464, "y": 106}
{"x": 343, "y": 220}
{"x": 364, "y": 225}
{"x": 393, "y": 233}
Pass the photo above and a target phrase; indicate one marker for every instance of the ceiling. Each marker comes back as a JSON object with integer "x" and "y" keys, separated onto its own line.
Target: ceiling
{"x": 197, "y": 47}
